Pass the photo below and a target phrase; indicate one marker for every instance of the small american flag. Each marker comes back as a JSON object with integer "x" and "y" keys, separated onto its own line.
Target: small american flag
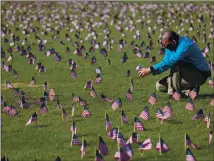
{"x": 207, "y": 118}
{"x": 138, "y": 125}
{"x": 131, "y": 85}
{"x": 43, "y": 108}
{"x": 59, "y": 106}
{"x": 108, "y": 123}
{"x": 64, "y": 113}
{"x": 73, "y": 128}
{"x": 168, "y": 108}
{"x": 128, "y": 149}
{"x": 159, "y": 114}
{"x": 12, "y": 112}
{"x": 152, "y": 99}
{"x": 114, "y": 133}
{"x": 193, "y": 94}
{"x": 133, "y": 138}
{"x": 83, "y": 147}
{"x": 128, "y": 74}
{"x": 176, "y": 96}
{"x": 92, "y": 92}
{"x": 210, "y": 136}
{"x": 129, "y": 95}
{"x": 199, "y": 115}
{"x": 82, "y": 102}
{"x": 189, "y": 142}
{"x": 189, "y": 155}
{"x": 75, "y": 140}
{"x": 190, "y": 105}
{"x": 85, "y": 112}
{"x": 72, "y": 109}
{"x": 102, "y": 146}
{"x": 211, "y": 82}
{"x": 16, "y": 91}
{"x": 123, "y": 117}
{"x": 9, "y": 85}
{"x": 98, "y": 156}
{"x": 46, "y": 85}
{"x": 146, "y": 145}
{"x": 106, "y": 99}
{"x": 32, "y": 119}
{"x": 121, "y": 155}
{"x": 161, "y": 146}
{"x": 75, "y": 98}
{"x": 73, "y": 73}
{"x": 88, "y": 85}
{"x": 145, "y": 114}
{"x": 98, "y": 79}
{"x": 93, "y": 60}
{"x": 212, "y": 102}
{"x": 116, "y": 104}
{"x": 120, "y": 139}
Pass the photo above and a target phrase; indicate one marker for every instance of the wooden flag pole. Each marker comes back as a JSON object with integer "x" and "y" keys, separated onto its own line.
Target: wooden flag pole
{"x": 208, "y": 123}
{"x": 105, "y": 120}
{"x": 95, "y": 154}
{"x": 121, "y": 119}
{"x": 81, "y": 147}
{"x": 72, "y": 139}
{"x": 160, "y": 144}
{"x": 73, "y": 110}
{"x": 185, "y": 146}
{"x": 133, "y": 125}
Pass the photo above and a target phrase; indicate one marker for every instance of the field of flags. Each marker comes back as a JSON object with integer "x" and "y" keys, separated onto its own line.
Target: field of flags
{"x": 70, "y": 90}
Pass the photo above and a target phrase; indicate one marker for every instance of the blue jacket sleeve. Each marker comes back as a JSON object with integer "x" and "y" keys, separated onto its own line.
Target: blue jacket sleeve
{"x": 171, "y": 58}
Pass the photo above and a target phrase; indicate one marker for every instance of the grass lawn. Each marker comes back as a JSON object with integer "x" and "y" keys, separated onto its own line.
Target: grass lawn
{"x": 52, "y": 136}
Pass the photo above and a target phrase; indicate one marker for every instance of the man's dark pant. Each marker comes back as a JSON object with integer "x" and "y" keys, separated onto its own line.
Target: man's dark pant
{"x": 183, "y": 77}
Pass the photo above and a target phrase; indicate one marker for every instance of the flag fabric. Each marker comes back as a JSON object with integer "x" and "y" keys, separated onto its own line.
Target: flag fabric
{"x": 189, "y": 142}
{"x": 93, "y": 60}
{"x": 82, "y": 102}
{"x": 75, "y": 98}
{"x": 114, "y": 133}
{"x": 128, "y": 74}
{"x": 88, "y": 85}
{"x": 211, "y": 82}
{"x": 129, "y": 95}
{"x": 189, "y": 155}
{"x": 98, "y": 156}
{"x": 206, "y": 119}
{"x": 58, "y": 159}
{"x": 83, "y": 147}
{"x": 92, "y": 92}
{"x": 212, "y": 102}
{"x": 106, "y": 99}
{"x": 128, "y": 149}
{"x": 43, "y": 108}
{"x": 16, "y": 91}
{"x": 123, "y": 117}
{"x": 193, "y": 94}
{"x": 73, "y": 128}
{"x": 52, "y": 94}
{"x": 152, "y": 99}
{"x": 58, "y": 105}
{"x": 4, "y": 158}
{"x": 146, "y": 145}
{"x": 176, "y": 96}
{"x": 121, "y": 155}
{"x": 190, "y": 105}
{"x": 159, "y": 114}
{"x": 131, "y": 85}
{"x": 145, "y": 114}
{"x": 108, "y": 123}
{"x": 138, "y": 125}
{"x": 167, "y": 109}
{"x": 73, "y": 73}
{"x": 32, "y": 119}
{"x": 98, "y": 79}
{"x": 9, "y": 85}
{"x": 210, "y": 136}
{"x": 86, "y": 112}
{"x": 64, "y": 113}
{"x": 46, "y": 85}
{"x": 12, "y": 112}
{"x": 161, "y": 146}
{"x": 75, "y": 140}
{"x": 116, "y": 104}
{"x": 133, "y": 138}
{"x": 199, "y": 115}
{"x": 102, "y": 147}
{"x": 120, "y": 139}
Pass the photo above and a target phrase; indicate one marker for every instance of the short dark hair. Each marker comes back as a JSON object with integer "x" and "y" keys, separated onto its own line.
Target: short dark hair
{"x": 172, "y": 34}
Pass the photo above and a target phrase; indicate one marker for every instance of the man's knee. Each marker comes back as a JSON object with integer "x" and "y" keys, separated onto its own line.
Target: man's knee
{"x": 160, "y": 87}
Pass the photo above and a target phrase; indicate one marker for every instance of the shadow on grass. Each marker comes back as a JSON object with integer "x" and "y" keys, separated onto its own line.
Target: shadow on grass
{"x": 42, "y": 126}
{"x": 175, "y": 122}
{"x": 204, "y": 96}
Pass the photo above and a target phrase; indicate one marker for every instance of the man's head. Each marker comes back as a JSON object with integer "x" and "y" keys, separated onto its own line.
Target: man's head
{"x": 170, "y": 40}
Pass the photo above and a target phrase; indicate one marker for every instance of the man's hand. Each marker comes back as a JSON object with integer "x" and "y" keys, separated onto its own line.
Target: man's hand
{"x": 144, "y": 71}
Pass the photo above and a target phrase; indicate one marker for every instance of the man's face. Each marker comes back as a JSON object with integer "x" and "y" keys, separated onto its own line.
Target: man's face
{"x": 168, "y": 44}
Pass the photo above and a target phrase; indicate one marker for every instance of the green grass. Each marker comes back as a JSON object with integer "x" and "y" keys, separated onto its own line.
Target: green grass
{"x": 52, "y": 137}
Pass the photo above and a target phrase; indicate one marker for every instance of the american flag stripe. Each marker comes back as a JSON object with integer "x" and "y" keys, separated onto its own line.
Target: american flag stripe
{"x": 193, "y": 94}
{"x": 210, "y": 137}
{"x": 152, "y": 99}
{"x": 190, "y": 106}
{"x": 212, "y": 102}
{"x": 145, "y": 114}
{"x": 146, "y": 145}
{"x": 176, "y": 96}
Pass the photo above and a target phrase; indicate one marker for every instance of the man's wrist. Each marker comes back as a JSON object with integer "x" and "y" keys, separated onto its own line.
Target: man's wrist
{"x": 152, "y": 70}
